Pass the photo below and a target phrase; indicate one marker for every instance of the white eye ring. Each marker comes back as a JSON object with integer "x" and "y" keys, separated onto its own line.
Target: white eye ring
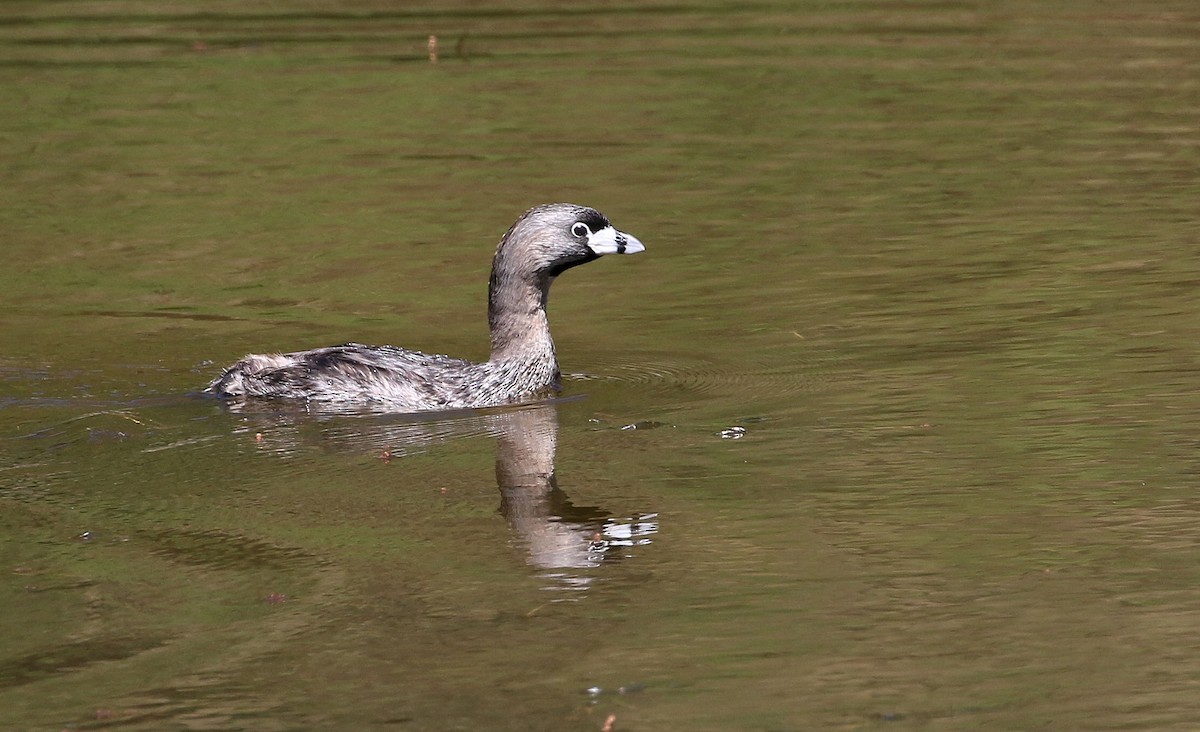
{"x": 580, "y": 230}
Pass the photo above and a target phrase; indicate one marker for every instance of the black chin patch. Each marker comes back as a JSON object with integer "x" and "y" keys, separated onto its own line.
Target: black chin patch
{"x": 561, "y": 267}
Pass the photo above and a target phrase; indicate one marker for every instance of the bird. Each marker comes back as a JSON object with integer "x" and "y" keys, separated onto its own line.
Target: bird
{"x": 544, "y": 242}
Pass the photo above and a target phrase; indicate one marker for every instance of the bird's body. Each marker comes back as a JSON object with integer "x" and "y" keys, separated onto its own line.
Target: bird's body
{"x": 398, "y": 377}
{"x": 543, "y": 243}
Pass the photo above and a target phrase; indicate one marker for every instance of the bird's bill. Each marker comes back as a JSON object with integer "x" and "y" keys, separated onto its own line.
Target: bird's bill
{"x": 610, "y": 241}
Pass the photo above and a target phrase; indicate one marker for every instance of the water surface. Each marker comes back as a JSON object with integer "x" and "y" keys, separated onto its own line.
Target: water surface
{"x": 893, "y": 426}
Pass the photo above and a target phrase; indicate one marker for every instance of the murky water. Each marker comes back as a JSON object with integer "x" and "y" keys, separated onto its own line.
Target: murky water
{"x": 894, "y": 426}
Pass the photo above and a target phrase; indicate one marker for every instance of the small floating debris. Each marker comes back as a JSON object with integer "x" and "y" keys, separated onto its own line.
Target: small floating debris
{"x": 594, "y": 691}
{"x": 646, "y": 424}
{"x": 732, "y": 433}
{"x": 433, "y": 51}
{"x": 275, "y": 598}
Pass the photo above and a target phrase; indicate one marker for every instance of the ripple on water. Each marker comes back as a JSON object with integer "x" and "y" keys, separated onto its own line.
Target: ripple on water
{"x": 54, "y": 659}
{"x": 290, "y": 429}
{"x": 224, "y": 550}
{"x": 752, "y": 375}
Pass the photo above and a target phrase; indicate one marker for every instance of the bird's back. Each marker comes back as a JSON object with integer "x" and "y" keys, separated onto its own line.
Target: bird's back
{"x": 353, "y": 372}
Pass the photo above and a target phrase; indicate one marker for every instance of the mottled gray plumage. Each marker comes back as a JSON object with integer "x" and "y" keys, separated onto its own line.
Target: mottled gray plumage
{"x": 542, "y": 244}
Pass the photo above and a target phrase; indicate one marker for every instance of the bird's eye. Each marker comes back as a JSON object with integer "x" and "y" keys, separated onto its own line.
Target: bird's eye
{"x": 580, "y": 230}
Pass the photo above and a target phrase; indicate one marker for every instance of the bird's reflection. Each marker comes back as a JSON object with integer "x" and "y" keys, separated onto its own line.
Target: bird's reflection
{"x": 566, "y": 542}
{"x": 557, "y": 534}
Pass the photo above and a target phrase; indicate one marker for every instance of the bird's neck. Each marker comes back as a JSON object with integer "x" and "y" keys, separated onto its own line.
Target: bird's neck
{"x": 517, "y": 318}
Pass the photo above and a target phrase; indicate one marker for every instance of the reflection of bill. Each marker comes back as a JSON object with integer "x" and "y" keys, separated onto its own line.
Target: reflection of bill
{"x": 557, "y": 534}
{"x": 561, "y": 538}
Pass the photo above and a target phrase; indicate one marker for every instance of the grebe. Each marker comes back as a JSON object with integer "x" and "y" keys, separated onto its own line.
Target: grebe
{"x": 545, "y": 242}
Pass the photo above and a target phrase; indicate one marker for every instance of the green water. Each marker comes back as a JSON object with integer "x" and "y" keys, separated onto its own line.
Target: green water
{"x": 936, "y": 259}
